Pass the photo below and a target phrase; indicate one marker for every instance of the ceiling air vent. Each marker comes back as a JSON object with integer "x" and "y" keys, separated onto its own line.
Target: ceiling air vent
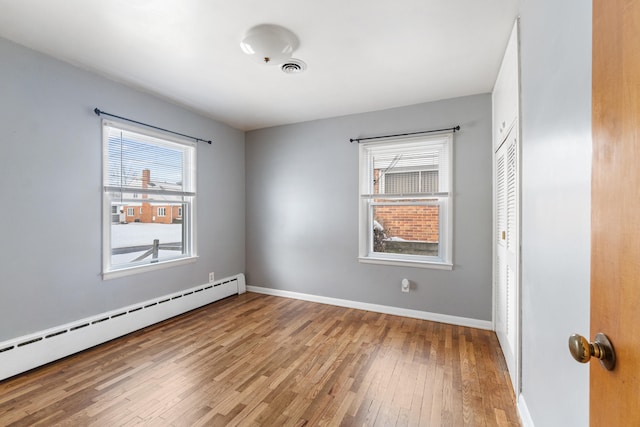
{"x": 293, "y": 66}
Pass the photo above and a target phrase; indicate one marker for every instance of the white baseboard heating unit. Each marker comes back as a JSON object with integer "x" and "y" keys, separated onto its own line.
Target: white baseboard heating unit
{"x": 30, "y": 351}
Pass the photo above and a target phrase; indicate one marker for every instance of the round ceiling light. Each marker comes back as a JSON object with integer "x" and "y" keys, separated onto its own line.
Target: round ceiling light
{"x": 269, "y": 44}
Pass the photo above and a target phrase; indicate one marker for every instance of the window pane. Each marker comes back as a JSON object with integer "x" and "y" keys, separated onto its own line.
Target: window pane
{"x": 406, "y": 229}
{"x": 141, "y": 162}
{"x": 134, "y": 242}
{"x": 429, "y": 181}
{"x": 402, "y": 183}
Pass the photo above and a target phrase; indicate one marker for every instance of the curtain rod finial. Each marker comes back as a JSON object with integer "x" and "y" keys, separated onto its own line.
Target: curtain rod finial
{"x": 97, "y": 111}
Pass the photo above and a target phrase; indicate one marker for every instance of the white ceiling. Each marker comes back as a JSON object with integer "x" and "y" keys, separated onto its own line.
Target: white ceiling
{"x": 362, "y": 55}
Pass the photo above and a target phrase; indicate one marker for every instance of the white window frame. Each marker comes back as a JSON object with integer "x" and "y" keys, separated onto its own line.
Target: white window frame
{"x": 162, "y": 211}
{"x": 130, "y": 212}
{"x": 368, "y": 200}
{"x": 189, "y": 227}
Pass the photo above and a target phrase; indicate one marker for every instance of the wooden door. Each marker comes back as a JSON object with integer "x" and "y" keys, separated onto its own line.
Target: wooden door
{"x": 507, "y": 244}
{"x": 615, "y": 220}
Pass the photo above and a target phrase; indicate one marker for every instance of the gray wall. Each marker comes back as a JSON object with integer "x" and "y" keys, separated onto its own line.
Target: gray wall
{"x": 556, "y": 186}
{"x": 302, "y": 210}
{"x": 50, "y": 182}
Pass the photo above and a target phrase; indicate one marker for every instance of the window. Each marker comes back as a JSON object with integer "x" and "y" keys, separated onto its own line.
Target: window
{"x": 153, "y": 173}
{"x": 405, "y": 201}
{"x": 115, "y": 216}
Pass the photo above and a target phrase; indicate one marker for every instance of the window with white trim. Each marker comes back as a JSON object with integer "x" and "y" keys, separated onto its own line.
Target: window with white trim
{"x": 154, "y": 173}
{"x": 406, "y": 201}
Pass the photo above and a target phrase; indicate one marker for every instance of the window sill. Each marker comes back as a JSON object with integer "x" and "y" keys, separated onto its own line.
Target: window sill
{"x": 114, "y": 274}
{"x": 405, "y": 263}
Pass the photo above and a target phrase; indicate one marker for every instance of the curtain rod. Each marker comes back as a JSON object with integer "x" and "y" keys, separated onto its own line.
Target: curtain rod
{"x": 456, "y": 128}
{"x": 98, "y": 112}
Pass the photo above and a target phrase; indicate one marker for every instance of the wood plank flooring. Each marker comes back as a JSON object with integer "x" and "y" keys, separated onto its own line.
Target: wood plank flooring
{"x": 256, "y": 360}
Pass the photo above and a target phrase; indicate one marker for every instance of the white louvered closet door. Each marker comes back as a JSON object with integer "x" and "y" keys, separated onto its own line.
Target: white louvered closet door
{"x": 507, "y": 244}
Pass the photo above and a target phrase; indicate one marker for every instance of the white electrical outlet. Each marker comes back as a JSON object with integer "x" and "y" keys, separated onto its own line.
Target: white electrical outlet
{"x": 211, "y": 277}
{"x": 405, "y": 285}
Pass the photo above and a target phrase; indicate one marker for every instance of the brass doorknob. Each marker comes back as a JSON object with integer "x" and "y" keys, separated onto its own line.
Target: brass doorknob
{"x": 583, "y": 350}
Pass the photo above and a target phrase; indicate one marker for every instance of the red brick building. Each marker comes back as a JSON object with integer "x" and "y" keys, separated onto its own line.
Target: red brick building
{"x": 156, "y": 211}
{"x": 417, "y": 223}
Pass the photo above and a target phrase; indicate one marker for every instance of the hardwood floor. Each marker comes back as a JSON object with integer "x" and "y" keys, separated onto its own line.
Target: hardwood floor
{"x": 261, "y": 360}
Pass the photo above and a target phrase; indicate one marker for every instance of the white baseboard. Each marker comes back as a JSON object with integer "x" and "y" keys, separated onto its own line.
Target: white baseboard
{"x": 416, "y": 314}
{"x": 30, "y": 351}
{"x": 523, "y": 411}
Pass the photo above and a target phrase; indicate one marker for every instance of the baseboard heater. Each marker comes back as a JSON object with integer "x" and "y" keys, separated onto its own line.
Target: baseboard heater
{"x": 30, "y": 351}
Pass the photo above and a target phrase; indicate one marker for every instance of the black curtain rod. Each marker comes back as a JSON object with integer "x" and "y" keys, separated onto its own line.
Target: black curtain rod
{"x": 456, "y": 128}
{"x": 98, "y": 112}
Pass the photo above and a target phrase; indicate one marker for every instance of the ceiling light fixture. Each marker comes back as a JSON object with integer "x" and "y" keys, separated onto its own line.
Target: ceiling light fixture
{"x": 269, "y": 44}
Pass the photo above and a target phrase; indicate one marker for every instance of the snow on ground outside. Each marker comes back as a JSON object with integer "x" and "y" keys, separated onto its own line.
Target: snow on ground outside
{"x": 137, "y": 233}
